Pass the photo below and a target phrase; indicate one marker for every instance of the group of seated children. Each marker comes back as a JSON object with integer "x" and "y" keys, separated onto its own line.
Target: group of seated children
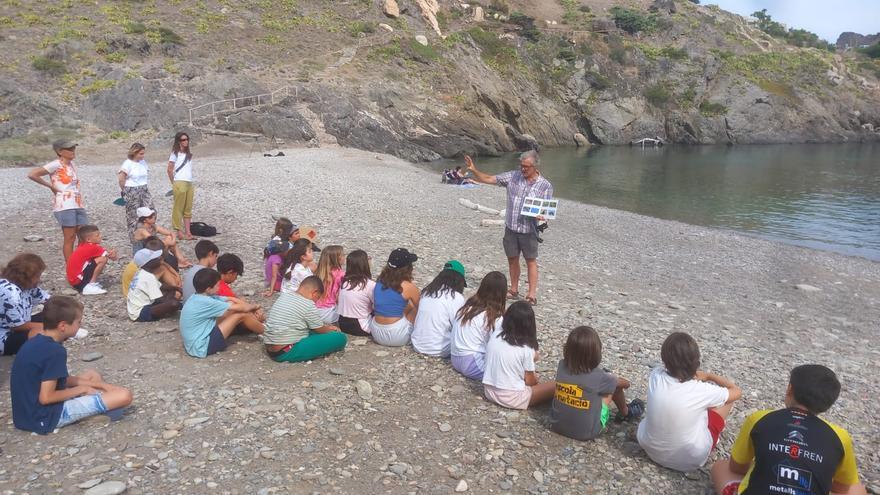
{"x": 776, "y": 451}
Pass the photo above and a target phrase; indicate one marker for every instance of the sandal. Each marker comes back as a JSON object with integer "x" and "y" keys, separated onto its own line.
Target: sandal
{"x": 532, "y": 300}
{"x": 636, "y": 408}
{"x": 512, "y": 294}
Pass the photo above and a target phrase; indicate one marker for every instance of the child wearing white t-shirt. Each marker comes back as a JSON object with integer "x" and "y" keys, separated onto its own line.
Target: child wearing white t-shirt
{"x": 510, "y": 379}
{"x": 480, "y": 316}
{"x": 686, "y": 407}
{"x": 298, "y": 265}
{"x": 441, "y": 300}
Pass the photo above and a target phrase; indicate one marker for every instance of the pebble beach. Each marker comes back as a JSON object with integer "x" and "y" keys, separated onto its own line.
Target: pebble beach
{"x": 388, "y": 420}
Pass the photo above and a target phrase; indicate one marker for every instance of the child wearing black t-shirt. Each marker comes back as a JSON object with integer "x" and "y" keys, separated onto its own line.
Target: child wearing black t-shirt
{"x": 792, "y": 450}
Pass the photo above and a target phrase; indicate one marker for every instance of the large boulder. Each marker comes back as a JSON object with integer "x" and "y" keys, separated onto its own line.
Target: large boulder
{"x": 277, "y": 121}
{"x": 134, "y": 104}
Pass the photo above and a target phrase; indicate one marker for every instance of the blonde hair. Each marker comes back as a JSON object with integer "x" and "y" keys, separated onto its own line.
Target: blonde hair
{"x": 330, "y": 257}
{"x": 134, "y": 149}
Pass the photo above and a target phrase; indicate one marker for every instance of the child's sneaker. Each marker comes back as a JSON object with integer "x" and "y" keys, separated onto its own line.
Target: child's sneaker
{"x": 636, "y": 409}
{"x": 93, "y": 289}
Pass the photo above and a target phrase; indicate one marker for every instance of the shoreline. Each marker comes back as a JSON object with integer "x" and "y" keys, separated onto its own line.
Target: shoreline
{"x": 634, "y": 278}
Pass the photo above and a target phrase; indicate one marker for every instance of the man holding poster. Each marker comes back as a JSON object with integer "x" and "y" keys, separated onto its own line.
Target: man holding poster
{"x": 520, "y": 231}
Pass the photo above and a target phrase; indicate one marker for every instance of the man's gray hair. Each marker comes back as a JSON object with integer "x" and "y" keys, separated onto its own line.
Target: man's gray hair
{"x": 530, "y": 154}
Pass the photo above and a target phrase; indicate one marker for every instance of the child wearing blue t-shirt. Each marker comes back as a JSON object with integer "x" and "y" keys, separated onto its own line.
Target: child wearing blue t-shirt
{"x": 44, "y": 395}
{"x": 207, "y": 319}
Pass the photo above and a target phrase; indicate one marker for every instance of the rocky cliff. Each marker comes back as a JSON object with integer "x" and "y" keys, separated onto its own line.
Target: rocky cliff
{"x": 421, "y": 79}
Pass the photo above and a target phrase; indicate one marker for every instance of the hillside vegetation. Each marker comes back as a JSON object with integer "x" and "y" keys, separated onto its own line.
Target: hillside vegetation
{"x": 522, "y": 72}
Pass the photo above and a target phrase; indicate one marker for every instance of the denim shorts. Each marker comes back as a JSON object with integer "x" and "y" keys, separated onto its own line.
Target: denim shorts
{"x": 81, "y": 408}
{"x": 72, "y": 218}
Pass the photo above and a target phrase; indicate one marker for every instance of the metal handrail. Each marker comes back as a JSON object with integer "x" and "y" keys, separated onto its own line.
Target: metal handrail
{"x": 285, "y": 91}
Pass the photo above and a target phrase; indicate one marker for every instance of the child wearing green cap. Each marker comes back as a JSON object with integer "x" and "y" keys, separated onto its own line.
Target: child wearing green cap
{"x": 440, "y": 301}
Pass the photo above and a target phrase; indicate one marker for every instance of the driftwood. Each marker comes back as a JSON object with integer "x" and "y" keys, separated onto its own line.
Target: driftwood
{"x": 482, "y": 209}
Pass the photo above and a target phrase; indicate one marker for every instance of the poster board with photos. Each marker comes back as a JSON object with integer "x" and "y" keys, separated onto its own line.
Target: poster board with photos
{"x": 532, "y": 207}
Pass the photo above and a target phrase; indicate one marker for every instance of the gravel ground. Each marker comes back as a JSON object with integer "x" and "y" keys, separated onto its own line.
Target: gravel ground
{"x": 240, "y": 423}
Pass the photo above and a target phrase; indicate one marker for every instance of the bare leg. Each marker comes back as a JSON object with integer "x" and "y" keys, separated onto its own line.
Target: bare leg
{"x": 166, "y": 306}
{"x": 619, "y": 399}
{"x": 542, "y": 393}
{"x": 187, "y": 221}
{"x": 115, "y": 397}
{"x": 91, "y": 375}
{"x": 724, "y": 410}
{"x": 69, "y": 234}
{"x": 100, "y": 263}
{"x": 532, "y": 274}
{"x": 513, "y": 267}
{"x": 722, "y": 475}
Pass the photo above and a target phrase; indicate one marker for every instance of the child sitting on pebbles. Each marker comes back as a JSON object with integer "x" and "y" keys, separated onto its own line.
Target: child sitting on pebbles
{"x": 230, "y": 268}
{"x": 687, "y": 407}
{"x": 355, "y": 301}
{"x": 146, "y": 226}
{"x": 148, "y": 299}
{"x": 88, "y": 261}
{"x": 299, "y": 263}
{"x": 584, "y": 391}
{"x": 286, "y": 233}
{"x": 167, "y": 275}
{"x": 510, "y": 379}
{"x": 207, "y": 253}
{"x": 44, "y": 395}
{"x": 294, "y": 329}
{"x": 439, "y": 302}
{"x": 207, "y": 319}
{"x": 480, "y": 316}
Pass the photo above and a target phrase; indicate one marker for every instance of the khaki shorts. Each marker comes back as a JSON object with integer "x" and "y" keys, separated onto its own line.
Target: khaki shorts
{"x": 515, "y": 243}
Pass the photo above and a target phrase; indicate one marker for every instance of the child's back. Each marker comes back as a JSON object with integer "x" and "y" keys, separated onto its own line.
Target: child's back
{"x": 579, "y": 411}
{"x": 40, "y": 359}
{"x": 507, "y": 364}
{"x": 675, "y": 432}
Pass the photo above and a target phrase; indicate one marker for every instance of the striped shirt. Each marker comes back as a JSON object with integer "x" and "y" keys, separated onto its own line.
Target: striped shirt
{"x": 518, "y": 188}
{"x": 290, "y": 319}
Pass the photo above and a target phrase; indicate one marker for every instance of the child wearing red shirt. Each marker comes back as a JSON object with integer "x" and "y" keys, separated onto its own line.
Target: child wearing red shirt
{"x": 88, "y": 261}
{"x": 230, "y": 267}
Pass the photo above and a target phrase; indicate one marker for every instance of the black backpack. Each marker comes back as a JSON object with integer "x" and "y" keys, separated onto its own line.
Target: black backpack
{"x": 202, "y": 229}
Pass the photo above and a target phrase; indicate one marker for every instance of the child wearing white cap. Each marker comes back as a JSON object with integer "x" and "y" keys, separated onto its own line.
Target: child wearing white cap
{"x": 147, "y": 226}
{"x": 148, "y": 299}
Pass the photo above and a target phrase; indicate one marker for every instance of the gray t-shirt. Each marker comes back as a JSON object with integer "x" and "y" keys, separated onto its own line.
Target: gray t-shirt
{"x": 577, "y": 403}
{"x": 188, "y": 288}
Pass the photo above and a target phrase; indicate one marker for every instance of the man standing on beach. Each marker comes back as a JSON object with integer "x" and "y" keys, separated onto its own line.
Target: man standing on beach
{"x": 520, "y": 234}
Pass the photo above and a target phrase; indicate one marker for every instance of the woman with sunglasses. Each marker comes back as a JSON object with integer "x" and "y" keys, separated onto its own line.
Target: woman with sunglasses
{"x": 180, "y": 174}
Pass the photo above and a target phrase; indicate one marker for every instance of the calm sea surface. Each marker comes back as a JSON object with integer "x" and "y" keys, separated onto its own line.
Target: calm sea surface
{"x": 818, "y": 196}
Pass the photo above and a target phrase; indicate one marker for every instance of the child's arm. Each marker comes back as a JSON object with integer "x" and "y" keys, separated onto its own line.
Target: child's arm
{"x": 326, "y": 329}
{"x": 112, "y": 254}
{"x": 49, "y": 393}
{"x": 162, "y": 230}
{"x": 733, "y": 392}
{"x": 239, "y": 306}
{"x": 531, "y": 378}
{"x": 271, "y": 289}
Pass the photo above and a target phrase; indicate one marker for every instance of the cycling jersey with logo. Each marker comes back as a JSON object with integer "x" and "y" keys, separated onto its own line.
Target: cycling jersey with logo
{"x": 794, "y": 453}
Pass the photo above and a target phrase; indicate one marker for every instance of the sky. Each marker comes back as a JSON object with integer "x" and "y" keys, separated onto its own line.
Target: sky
{"x": 826, "y": 18}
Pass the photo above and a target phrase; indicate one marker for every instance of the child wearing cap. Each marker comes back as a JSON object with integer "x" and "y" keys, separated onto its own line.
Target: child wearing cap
{"x": 146, "y": 226}
{"x": 396, "y": 300}
{"x": 440, "y": 301}
{"x": 167, "y": 274}
{"x": 148, "y": 299}
{"x": 88, "y": 261}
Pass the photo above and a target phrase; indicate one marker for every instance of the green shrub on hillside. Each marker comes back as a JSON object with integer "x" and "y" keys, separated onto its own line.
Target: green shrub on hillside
{"x": 711, "y": 109}
{"x": 494, "y": 51}
{"x": 527, "y": 26}
{"x": 48, "y": 65}
{"x": 355, "y": 28}
{"x": 872, "y": 51}
{"x": 98, "y": 85}
{"x": 632, "y": 21}
{"x": 796, "y": 37}
{"x": 135, "y": 28}
{"x": 658, "y": 95}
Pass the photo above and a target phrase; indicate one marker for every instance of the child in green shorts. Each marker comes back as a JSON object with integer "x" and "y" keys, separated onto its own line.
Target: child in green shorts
{"x": 584, "y": 391}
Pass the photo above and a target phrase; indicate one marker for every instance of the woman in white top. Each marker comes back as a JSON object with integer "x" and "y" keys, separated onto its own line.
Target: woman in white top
{"x": 180, "y": 173}
{"x": 474, "y": 322}
{"x": 355, "y": 301}
{"x": 133, "y": 176}
{"x": 510, "y": 379}
{"x": 441, "y": 300}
